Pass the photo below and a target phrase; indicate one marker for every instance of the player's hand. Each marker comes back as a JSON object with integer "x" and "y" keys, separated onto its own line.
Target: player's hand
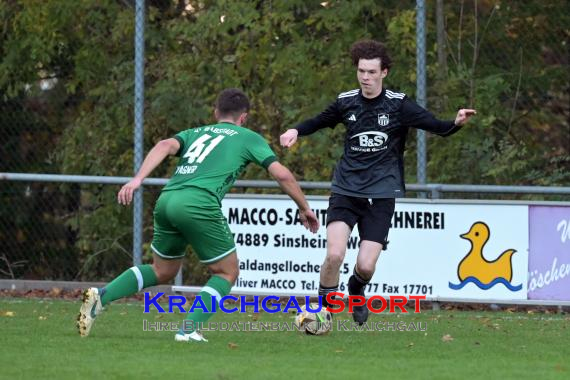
{"x": 125, "y": 195}
{"x": 309, "y": 220}
{"x": 289, "y": 138}
{"x": 463, "y": 115}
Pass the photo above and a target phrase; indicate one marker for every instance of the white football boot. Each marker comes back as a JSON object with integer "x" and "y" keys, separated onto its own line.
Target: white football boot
{"x": 195, "y": 336}
{"x": 90, "y": 308}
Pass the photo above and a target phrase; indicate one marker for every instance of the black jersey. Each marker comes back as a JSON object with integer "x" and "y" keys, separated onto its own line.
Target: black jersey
{"x": 372, "y": 165}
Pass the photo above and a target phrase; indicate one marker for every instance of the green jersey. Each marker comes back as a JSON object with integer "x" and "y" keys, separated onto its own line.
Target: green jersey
{"x": 213, "y": 156}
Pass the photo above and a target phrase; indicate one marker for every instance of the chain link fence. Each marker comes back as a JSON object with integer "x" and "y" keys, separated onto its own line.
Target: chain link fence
{"x": 58, "y": 232}
{"x": 47, "y": 233}
{"x": 508, "y": 59}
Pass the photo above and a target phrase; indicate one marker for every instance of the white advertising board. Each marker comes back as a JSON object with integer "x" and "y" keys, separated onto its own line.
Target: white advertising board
{"x": 426, "y": 253}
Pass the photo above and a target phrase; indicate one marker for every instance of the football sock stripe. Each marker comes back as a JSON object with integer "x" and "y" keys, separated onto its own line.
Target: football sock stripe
{"x": 216, "y": 286}
{"x": 359, "y": 278}
{"x": 324, "y": 291}
{"x": 139, "y": 277}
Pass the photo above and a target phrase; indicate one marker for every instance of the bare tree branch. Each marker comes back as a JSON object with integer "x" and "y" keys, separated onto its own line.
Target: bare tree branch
{"x": 517, "y": 92}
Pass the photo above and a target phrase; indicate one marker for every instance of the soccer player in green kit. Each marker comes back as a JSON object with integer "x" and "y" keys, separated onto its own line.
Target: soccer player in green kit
{"x": 188, "y": 211}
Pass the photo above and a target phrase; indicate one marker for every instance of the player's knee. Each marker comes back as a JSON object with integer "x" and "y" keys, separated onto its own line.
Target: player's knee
{"x": 164, "y": 275}
{"x": 229, "y": 273}
{"x": 233, "y": 275}
{"x": 334, "y": 258}
{"x": 165, "y": 278}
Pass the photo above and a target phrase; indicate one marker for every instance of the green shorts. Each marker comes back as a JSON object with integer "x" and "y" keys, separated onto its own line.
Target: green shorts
{"x": 191, "y": 217}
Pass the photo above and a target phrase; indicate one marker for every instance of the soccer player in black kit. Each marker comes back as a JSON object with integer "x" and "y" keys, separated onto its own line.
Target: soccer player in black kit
{"x": 370, "y": 173}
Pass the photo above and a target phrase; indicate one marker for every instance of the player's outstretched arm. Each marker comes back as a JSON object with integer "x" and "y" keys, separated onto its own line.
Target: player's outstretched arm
{"x": 289, "y": 138}
{"x": 291, "y": 187}
{"x": 157, "y": 154}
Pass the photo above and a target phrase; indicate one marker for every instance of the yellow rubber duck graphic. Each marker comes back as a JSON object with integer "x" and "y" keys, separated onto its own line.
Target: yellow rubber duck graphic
{"x": 474, "y": 263}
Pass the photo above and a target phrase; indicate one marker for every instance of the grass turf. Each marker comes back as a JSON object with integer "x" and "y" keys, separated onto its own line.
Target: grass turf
{"x": 39, "y": 340}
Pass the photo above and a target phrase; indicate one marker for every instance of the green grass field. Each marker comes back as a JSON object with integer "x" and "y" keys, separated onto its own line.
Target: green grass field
{"x": 39, "y": 340}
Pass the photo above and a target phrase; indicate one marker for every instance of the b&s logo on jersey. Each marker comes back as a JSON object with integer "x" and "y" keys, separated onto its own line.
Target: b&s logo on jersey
{"x": 370, "y": 141}
{"x": 383, "y": 119}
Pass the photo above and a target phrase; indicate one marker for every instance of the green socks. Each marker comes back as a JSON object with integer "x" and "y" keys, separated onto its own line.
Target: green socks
{"x": 216, "y": 286}
{"x": 137, "y": 278}
{"x": 128, "y": 283}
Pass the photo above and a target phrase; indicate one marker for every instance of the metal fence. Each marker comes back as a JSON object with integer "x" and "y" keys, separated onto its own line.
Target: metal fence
{"x": 51, "y": 228}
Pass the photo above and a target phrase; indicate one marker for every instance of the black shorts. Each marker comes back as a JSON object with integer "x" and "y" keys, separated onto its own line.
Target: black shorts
{"x": 373, "y": 216}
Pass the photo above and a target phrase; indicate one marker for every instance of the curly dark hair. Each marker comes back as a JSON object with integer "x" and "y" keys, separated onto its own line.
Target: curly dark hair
{"x": 232, "y": 102}
{"x": 370, "y": 49}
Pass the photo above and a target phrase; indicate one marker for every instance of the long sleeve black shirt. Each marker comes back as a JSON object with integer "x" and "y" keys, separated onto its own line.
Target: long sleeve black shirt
{"x": 372, "y": 165}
